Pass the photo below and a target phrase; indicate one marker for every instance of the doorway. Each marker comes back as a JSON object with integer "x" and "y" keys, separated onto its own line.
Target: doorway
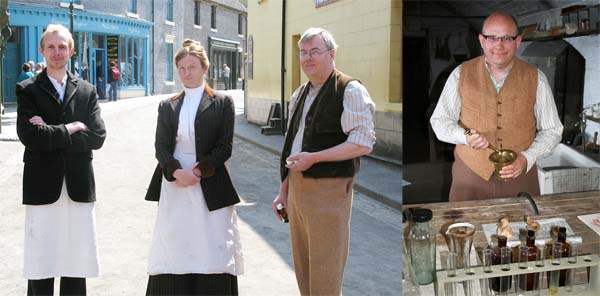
{"x": 11, "y": 68}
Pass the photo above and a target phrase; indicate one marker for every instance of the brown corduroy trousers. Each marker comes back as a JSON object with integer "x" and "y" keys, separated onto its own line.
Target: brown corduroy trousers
{"x": 466, "y": 185}
{"x": 319, "y": 213}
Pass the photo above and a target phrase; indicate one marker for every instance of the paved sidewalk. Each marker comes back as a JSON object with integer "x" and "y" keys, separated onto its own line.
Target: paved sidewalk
{"x": 9, "y": 127}
{"x": 377, "y": 179}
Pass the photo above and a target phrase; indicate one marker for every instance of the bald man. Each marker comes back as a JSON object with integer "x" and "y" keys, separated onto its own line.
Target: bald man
{"x": 503, "y": 101}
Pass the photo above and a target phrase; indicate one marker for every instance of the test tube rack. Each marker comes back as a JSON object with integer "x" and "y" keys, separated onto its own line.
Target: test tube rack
{"x": 476, "y": 273}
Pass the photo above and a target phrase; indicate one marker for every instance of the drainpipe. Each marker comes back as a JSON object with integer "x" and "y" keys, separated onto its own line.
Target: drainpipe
{"x": 152, "y": 50}
{"x": 283, "y": 120}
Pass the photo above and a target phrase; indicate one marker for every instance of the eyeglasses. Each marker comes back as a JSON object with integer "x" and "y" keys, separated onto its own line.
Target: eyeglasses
{"x": 313, "y": 53}
{"x": 495, "y": 39}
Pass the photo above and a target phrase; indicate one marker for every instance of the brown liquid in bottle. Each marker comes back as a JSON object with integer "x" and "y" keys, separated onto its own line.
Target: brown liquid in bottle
{"x": 499, "y": 284}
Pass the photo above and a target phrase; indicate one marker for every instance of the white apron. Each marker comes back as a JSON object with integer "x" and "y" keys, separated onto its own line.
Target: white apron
{"x": 187, "y": 237}
{"x": 60, "y": 239}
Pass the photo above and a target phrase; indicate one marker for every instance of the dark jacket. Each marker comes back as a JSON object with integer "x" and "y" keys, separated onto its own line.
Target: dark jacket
{"x": 323, "y": 129}
{"x": 51, "y": 154}
{"x": 214, "y": 137}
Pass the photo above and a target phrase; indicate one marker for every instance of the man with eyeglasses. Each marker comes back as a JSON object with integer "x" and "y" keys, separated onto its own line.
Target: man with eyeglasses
{"x": 330, "y": 128}
{"x": 496, "y": 99}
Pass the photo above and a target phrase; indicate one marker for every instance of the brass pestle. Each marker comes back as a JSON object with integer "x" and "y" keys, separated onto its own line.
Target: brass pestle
{"x": 468, "y": 133}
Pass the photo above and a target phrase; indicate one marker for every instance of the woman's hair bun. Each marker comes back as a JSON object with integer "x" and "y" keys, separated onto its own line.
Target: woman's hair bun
{"x": 190, "y": 42}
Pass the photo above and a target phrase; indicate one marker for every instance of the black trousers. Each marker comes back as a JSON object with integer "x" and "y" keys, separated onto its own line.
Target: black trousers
{"x": 192, "y": 284}
{"x": 68, "y": 286}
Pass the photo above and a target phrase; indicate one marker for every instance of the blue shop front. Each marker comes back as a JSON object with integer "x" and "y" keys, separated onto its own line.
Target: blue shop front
{"x": 99, "y": 40}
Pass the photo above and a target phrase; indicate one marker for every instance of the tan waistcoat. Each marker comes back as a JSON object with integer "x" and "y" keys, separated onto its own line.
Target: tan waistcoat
{"x": 506, "y": 118}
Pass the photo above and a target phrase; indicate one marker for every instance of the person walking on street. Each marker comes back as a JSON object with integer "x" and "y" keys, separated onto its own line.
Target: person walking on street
{"x": 499, "y": 100}
{"x": 39, "y": 67}
{"x": 100, "y": 82}
{"x": 226, "y": 76}
{"x": 59, "y": 123}
{"x": 114, "y": 75}
{"x": 330, "y": 128}
{"x": 196, "y": 247}
{"x": 26, "y": 74}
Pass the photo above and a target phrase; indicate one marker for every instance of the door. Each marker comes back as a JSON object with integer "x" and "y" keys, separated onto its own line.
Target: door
{"x": 10, "y": 71}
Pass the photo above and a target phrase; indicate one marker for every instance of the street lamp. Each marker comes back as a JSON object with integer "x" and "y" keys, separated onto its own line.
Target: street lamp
{"x": 71, "y": 17}
{"x": 5, "y": 34}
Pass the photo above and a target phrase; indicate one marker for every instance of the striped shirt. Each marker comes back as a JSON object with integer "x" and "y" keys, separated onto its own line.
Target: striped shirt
{"x": 444, "y": 119}
{"x": 356, "y": 120}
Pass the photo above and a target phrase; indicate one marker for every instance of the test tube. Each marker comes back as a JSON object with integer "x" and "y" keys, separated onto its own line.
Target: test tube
{"x": 505, "y": 255}
{"x": 523, "y": 256}
{"x": 574, "y": 252}
{"x": 451, "y": 272}
{"x": 487, "y": 260}
{"x": 555, "y": 274}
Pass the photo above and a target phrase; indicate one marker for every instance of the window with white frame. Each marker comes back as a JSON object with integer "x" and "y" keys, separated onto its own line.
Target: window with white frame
{"x": 197, "y": 13}
{"x": 213, "y": 17}
{"x": 169, "y": 62}
{"x": 250, "y": 60}
{"x": 170, "y": 10}
{"x": 132, "y": 6}
{"x": 319, "y": 3}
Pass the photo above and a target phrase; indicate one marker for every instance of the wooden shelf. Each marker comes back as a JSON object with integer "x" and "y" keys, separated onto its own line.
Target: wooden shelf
{"x": 563, "y": 36}
{"x": 594, "y": 119}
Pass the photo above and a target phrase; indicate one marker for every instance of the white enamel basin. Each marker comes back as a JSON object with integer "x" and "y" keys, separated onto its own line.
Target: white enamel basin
{"x": 577, "y": 171}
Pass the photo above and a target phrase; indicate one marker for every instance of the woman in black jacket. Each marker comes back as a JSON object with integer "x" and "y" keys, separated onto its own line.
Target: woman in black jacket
{"x": 196, "y": 246}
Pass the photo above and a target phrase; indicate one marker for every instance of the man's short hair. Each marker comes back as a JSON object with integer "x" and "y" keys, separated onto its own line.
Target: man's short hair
{"x": 57, "y": 29}
{"x": 310, "y": 33}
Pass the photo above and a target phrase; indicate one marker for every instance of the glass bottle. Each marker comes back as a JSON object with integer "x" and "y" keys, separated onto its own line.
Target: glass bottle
{"x": 283, "y": 213}
{"x": 499, "y": 284}
{"x": 527, "y": 281}
{"x": 566, "y": 249}
{"x": 422, "y": 247}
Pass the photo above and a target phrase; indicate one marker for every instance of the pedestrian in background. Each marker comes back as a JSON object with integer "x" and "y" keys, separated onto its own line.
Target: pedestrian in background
{"x": 114, "y": 75}
{"x": 58, "y": 121}
{"x": 226, "y": 76}
{"x": 31, "y": 65}
{"x": 330, "y": 127}
{"x": 26, "y": 74}
{"x": 39, "y": 67}
{"x": 100, "y": 82}
{"x": 196, "y": 245}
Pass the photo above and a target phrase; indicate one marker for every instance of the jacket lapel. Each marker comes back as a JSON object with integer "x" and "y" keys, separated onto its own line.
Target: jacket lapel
{"x": 46, "y": 85}
{"x": 70, "y": 90}
{"x": 176, "y": 103}
{"x": 208, "y": 98}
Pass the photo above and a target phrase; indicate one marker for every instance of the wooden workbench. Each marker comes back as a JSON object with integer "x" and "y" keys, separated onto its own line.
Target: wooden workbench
{"x": 564, "y": 205}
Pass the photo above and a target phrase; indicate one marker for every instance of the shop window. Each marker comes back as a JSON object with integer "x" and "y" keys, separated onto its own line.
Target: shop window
{"x": 197, "y": 13}
{"x": 132, "y": 6}
{"x": 169, "y": 62}
{"x": 170, "y": 10}
{"x": 213, "y": 17}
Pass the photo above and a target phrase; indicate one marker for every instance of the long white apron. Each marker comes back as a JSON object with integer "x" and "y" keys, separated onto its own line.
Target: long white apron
{"x": 60, "y": 239}
{"x": 187, "y": 237}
